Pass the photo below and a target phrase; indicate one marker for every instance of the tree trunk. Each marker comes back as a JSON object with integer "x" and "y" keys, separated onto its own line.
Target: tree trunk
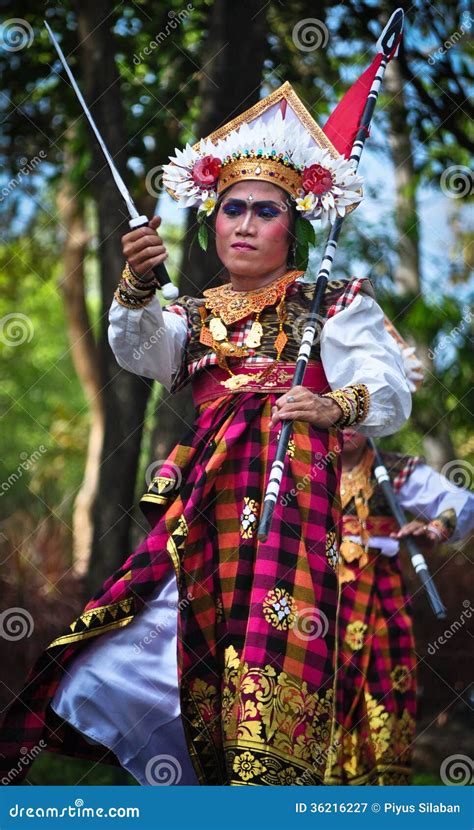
{"x": 230, "y": 83}
{"x": 84, "y": 356}
{"x": 124, "y": 395}
{"x": 437, "y": 441}
{"x": 407, "y": 272}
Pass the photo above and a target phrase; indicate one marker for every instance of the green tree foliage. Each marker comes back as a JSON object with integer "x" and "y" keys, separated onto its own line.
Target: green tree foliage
{"x": 43, "y": 408}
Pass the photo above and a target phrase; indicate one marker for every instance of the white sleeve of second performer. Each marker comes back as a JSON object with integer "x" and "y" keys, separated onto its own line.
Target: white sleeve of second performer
{"x": 356, "y": 348}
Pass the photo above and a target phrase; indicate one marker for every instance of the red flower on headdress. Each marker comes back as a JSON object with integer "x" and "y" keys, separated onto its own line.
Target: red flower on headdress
{"x": 206, "y": 171}
{"x": 317, "y": 180}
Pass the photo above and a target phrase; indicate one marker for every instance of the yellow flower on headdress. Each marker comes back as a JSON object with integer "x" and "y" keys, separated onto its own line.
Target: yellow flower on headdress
{"x": 306, "y": 203}
{"x": 208, "y": 205}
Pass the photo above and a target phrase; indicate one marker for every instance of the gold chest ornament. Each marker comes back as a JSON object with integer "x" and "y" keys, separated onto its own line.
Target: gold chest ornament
{"x": 217, "y": 329}
{"x": 229, "y": 306}
{"x": 254, "y": 337}
{"x": 356, "y": 484}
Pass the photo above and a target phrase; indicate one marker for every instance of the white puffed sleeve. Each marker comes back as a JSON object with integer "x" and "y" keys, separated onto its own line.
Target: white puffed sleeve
{"x": 427, "y": 493}
{"x": 356, "y": 348}
{"x": 149, "y": 341}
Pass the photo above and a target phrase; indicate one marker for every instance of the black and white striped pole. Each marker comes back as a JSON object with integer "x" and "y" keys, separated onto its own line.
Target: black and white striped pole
{"x": 386, "y": 44}
{"x": 417, "y": 558}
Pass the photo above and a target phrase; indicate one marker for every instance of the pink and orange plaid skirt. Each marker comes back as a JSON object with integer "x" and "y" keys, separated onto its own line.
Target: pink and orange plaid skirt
{"x": 284, "y": 677}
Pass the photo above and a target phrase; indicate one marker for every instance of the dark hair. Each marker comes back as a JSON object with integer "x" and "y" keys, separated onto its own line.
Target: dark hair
{"x": 292, "y": 214}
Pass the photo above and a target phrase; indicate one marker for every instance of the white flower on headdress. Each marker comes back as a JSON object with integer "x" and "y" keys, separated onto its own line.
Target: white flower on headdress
{"x": 276, "y": 138}
{"x": 192, "y": 175}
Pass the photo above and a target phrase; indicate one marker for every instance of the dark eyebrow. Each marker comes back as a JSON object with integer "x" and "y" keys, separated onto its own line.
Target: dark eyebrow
{"x": 244, "y": 202}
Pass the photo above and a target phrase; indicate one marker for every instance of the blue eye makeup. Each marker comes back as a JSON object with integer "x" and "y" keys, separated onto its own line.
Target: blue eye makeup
{"x": 232, "y": 209}
{"x": 264, "y": 211}
{"x": 268, "y": 212}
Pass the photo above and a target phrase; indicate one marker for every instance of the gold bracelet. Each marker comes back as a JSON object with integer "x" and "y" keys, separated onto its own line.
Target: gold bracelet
{"x": 128, "y": 300}
{"x": 135, "y": 291}
{"x": 339, "y": 397}
{"x": 136, "y": 281}
{"x": 363, "y": 401}
{"x": 439, "y": 529}
{"x": 354, "y": 402}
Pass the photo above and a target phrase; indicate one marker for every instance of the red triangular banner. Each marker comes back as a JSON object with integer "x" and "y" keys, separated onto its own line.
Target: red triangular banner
{"x": 341, "y": 127}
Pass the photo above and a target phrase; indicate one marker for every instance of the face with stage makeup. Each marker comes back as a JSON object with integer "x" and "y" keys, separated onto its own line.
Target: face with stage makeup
{"x": 354, "y": 442}
{"x": 253, "y": 230}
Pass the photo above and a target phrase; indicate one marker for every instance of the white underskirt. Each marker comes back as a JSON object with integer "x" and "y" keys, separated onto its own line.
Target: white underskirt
{"x": 122, "y": 691}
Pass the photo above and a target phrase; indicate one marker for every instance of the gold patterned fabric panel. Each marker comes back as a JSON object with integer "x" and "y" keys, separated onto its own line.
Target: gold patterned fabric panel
{"x": 355, "y": 634}
{"x": 376, "y": 751}
{"x": 275, "y": 731}
{"x": 398, "y": 466}
{"x": 176, "y": 543}
{"x": 249, "y": 518}
{"x": 376, "y": 677}
{"x": 280, "y": 609}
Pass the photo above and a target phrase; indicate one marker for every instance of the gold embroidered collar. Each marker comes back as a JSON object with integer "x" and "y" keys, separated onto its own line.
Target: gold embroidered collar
{"x": 357, "y": 480}
{"x": 231, "y": 305}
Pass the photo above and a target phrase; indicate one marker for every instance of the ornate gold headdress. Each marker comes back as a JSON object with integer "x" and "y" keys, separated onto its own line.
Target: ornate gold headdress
{"x": 277, "y": 141}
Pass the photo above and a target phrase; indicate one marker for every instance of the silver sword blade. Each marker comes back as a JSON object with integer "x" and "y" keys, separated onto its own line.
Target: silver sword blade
{"x": 115, "y": 173}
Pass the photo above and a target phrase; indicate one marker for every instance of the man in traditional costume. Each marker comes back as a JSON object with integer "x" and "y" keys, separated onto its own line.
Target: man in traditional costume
{"x": 232, "y": 690}
{"x": 377, "y": 660}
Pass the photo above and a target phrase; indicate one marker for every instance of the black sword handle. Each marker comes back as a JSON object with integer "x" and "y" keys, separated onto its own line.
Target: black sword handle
{"x": 169, "y": 290}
